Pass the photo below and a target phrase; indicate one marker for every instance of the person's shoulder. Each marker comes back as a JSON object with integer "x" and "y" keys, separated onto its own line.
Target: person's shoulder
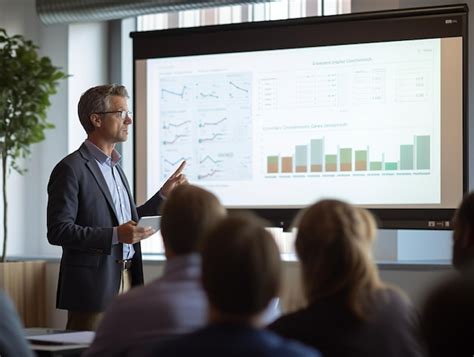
{"x": 289, "y": 321}
{"x": 141, "y": 299}
{"x": 281, "y": 346}
{"x": 69, "y": 160}
{"x": 69, "y": 164}
{"x": 73, "y": 157}
{"x": 393, "y": 309}
{"x": 180, "y": 345}
{"x": 391, "y": 297}
{"x": 131, "y": 299}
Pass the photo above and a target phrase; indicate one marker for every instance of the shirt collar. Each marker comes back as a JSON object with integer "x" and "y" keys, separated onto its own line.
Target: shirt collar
{"x": 101, "y": 156}
{"x": 182, "y": 261}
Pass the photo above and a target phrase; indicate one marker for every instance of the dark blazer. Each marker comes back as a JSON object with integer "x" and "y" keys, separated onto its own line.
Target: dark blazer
{"x": 230, "y": 341}
{"x": 329, "y": 326}
{"x": 81, "y": 217}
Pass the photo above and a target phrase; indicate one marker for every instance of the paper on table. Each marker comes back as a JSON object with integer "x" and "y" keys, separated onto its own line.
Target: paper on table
{"x": 80, "y": 338}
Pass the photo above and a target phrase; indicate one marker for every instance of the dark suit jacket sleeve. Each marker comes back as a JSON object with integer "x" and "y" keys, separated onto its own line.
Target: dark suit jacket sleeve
{"x": 151, "y": 207}
{"x": 63, "y": 207}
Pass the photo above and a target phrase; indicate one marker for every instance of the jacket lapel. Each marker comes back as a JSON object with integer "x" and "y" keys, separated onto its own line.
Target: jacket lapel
{"x": 99, "y": 178}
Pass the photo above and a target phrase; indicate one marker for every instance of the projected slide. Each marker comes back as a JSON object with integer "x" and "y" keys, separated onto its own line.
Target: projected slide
{"x": 284, "y": 128}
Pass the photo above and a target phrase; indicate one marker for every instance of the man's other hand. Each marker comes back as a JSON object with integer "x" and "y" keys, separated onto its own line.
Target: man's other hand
{"x": 177, "y": 178}
{"x": 130, "y": 233}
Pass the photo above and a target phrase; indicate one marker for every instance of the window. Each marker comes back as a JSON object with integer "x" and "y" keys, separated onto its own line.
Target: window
{"x": 283, "y": 9}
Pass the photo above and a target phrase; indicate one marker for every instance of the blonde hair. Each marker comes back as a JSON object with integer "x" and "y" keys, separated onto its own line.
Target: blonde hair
{"x": 334, "y": 244}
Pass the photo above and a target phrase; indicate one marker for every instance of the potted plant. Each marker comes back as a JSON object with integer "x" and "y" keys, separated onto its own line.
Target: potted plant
{"x": 27, "y": 81}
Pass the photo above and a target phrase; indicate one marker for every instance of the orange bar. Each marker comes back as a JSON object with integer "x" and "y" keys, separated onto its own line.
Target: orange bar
{"x": 287, "y": 164}
{"x": 331, "y": 167}
{"x": 301, "y": 169}
{"x": 361, "y": 165}
{"x": 316, "y": 168}
{"x": 272, "y": 168}
{"x": 346, "y": 167}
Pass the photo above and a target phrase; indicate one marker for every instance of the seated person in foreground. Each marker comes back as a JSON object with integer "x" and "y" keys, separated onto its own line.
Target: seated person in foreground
{"x": 175, "y": 303}
{"x": 350, "y": 311}
{"x": 463, "y": 235}
{"x": 447, "y": 318}
{"x": 12, "y": 339}
{"x": 240, "y": 275}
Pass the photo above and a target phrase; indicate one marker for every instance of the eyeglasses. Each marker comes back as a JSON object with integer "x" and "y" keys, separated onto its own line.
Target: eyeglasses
{"x": 123, "y": 113}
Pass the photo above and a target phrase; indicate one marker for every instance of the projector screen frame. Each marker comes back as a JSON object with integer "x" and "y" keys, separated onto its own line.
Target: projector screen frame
{"x": 404, "y": 24}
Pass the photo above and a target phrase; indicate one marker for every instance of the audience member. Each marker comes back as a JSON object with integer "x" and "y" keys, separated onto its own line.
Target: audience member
{"x": 174, "y": 303}
{"x": 447, "y": 318}
{"x": 240, "y": 275}
{"x": 463, "y": 234}
{"x": 12, "y": 339}
{"x": 350, "y": 311}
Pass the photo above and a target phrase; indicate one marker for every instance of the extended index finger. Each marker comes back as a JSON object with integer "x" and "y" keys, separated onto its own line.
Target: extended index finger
{"x": 179, "y": 169}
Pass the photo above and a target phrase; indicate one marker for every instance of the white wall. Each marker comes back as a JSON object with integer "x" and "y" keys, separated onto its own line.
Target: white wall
{"x": 87, "y": 51}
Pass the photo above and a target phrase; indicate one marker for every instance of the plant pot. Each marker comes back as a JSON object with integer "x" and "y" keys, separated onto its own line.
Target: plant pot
{"x": 25, "y": 283}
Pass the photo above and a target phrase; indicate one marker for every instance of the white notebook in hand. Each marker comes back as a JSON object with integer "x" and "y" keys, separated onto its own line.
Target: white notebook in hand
{"x": 150, "y": 221}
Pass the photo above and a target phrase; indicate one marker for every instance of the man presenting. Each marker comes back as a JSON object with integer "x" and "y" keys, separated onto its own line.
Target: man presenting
{"x": 91, "y": 213}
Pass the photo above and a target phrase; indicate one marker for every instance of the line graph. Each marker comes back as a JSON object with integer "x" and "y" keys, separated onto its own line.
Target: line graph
{"x": 176, "y": 125}
{"x": 203, "y": 125}
{"x": 238, "y": 87}
{"x": 176, "y": 162}
{"x": 209, "y": 95}
{"x": 208, "y": 175}
{"x": 214, "y": 137}
{"x": 207, "y": 157}
{"x": 174, "y": 140}
{"x": 180, "y": 94}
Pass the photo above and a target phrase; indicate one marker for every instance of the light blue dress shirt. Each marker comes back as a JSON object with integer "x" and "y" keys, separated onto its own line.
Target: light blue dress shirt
{"x": 107, "y": 165}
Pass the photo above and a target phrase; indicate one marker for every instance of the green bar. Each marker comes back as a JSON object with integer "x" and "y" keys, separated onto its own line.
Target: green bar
{"x": 390, "y": 166}
{"x": 301, "y": 155}
{"x": 361, "y": 160}
{"x": 361, "y": 155}
{"x": 406, "y": 157}
{"x": 375, "y": 166}
{"x": 346, "y": 156}
{"x": 272, "y": 160}
{"x": 331, "y": 159}
{"x": 317, "y": 152}
{"x": 422, "y": 152}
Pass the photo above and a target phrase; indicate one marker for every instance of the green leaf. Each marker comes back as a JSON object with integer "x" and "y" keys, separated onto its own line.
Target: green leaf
{"x": 27, "y": 81}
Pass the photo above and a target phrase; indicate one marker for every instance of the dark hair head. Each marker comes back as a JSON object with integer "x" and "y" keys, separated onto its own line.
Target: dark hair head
{"x": 334, "y": 244}
{"x": 96, "y": 100}
{"x": 463, "y": 234}
{"x": 240, "y": 266}
{"x": 447, "y": 318}
{"x": 188, "y": 213}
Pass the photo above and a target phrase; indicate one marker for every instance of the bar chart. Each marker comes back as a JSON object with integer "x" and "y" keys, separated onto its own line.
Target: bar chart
{"x": 313, "y": 158}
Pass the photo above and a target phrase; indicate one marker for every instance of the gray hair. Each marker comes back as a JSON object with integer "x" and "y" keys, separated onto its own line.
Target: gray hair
{"x": 95, "y": 100}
